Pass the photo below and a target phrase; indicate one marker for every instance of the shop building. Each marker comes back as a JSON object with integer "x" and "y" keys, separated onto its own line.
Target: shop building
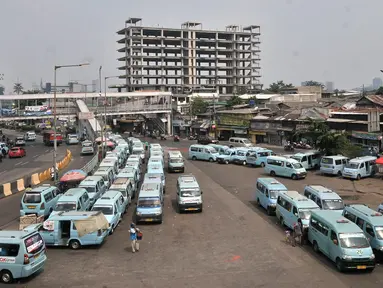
{"x": 234, "y": 123}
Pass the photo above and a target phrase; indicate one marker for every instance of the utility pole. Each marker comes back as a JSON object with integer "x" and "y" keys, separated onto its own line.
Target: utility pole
{"x": 101, "y": 126}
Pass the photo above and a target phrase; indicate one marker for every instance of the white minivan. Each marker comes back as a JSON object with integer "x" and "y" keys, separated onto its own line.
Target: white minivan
{"x": 333, "y": 165}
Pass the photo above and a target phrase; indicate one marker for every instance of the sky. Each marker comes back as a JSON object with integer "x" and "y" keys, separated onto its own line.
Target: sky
{"x": 327, "y": 40}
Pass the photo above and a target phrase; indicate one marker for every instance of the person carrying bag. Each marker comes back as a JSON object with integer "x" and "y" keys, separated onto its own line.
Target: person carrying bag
{"x": 135, "y": 236}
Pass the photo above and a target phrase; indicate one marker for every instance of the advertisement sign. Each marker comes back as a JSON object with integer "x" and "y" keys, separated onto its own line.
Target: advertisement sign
{"x": 85, "y": 115}
{"x": 41, "y": 108}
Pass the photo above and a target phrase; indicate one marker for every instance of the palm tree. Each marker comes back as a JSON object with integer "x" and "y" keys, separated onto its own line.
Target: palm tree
{"x": 18, "y": 88}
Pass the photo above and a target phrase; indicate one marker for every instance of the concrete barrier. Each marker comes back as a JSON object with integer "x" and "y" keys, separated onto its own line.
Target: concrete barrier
{"x": 35, "y": 180}
{"x": 20, "y": 185}
{"x": 7, "y": 189}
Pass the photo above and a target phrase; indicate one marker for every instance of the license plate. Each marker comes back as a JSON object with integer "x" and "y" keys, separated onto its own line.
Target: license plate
{"x": 191, "y": 209}
{"x": 149, "y": 220}
{"x": 31, "y": 207}
{"x": 361, "y": 267}
{"x": 36, "y": 256}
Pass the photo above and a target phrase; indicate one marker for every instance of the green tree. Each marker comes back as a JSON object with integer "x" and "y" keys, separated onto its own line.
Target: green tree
{"x": 198, "y": 106}
{"x": 235, "y": 100}
{"x": 379, "y": 91}
{"x": 312, "y": 83}
{"x": 2, "y": 89}
{"x": 278, "y": 86}
{"x": 18, "y": 88}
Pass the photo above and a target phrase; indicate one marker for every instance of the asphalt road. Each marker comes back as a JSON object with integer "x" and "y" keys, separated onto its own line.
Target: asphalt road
{"x": 231, "y": 244}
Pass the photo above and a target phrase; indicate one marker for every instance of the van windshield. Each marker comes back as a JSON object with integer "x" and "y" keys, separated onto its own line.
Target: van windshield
{"x": 32, "y": 198}
{"x": 297, "y": 165}
{"x": 351, "y": 165}
{"x": 190, "y": 192}
{"x": 106, "y": 210}
{"x": 273, "y": 194}
{"x": 296, "y": 158}
{"x": 149, "y": 203}
{"x": 227, "y": 152}
{"x": 176, "y": 160}
{"x": 305, "y": 214}
{"x": 65, "y": 206}
{"x": 246, "y": 141}
{"x": 379, "y": 232}
{"x": 354, "y": 240}
{"x": 333, "y": 204}
{"x": 34, "y": 243}
{"x": 327, "y": 160}
{"x": 90, "y": 189}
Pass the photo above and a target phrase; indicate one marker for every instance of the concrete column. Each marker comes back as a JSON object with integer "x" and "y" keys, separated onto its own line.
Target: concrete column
{"x": 170, "y": 124}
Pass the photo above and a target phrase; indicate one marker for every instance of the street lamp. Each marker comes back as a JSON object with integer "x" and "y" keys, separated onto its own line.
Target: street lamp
{"x": 56, "y": 67}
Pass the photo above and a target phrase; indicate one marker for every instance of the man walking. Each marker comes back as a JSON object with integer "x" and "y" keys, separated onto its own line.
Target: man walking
{"x": 133, "y": 238}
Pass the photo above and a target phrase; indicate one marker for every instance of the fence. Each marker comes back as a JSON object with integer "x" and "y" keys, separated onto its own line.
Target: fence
{"x": 91, "y": 165}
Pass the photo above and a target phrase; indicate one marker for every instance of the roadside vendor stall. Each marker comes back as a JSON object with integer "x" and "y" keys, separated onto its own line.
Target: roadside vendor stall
{"x": 71, "y": 179}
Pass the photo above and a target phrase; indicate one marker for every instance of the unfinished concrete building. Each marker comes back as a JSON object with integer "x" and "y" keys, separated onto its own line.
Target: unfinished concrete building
{"x": 190, "y": 58}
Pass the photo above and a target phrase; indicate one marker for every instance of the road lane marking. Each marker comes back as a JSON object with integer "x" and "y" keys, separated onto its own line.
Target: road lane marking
{"x": 3, "y": 172}
{"x": 35, "y": 156}
{"x": 18, "y": 163}
{"x": 47, "y": 150}
{"x": 24, "y": 163}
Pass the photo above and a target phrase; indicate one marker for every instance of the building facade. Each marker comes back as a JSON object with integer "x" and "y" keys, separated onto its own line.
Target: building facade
{"x": 177, "y": 60}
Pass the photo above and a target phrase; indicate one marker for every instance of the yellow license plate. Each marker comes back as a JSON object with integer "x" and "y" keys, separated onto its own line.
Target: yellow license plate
{"x": 191, "y": 209}
{"x": 149, "y": 220}
{"x": 361, "y": 267}
{"x": 36, "y": 256}
{"x": 31, "y": 207}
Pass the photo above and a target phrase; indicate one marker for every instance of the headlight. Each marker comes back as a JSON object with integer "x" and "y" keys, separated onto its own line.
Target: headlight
{"x": 157, "y": 213}
{"x": 380, "y": 248}
{"x": 272, "y": 205}
{"x": 346, "y": 257}
{"x": 138, "y": 213}
{"x": 372, "y": 257}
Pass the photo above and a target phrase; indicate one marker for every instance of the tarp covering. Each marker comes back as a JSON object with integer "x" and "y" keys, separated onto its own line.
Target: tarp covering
{"x": 91, "y": 224}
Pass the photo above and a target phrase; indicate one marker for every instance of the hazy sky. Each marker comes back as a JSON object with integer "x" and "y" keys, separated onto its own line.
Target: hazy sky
{"x": 337, "y": 40}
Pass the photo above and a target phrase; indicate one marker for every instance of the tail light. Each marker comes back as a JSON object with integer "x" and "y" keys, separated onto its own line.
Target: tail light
{"x": 26, "y": 259}
{"x": 42, "y": 206}
{"x": 99, "y": 232}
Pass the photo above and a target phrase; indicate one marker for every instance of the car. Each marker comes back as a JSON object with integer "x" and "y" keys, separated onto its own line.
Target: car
{"x": 87, "y": 148}
{"x": 17, "y": 152}
{"x": 19, "y": 141}
{"x": 205, "y": 140}
{"x": 72, "y": 139}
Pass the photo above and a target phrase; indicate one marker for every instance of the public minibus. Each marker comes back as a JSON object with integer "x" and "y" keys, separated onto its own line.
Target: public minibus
{"x": 309, "y": 159}
{"x": 266, "y": 193}
{"x": 371, "y": 222}
{"x": 175, "y": 162}
{"x": 157, "y": 154}
{"x": 156, "y": 146}
{"x": 157, "y": 169}
{"x": 202, "y": 152}
{"x": 110, "y": 163}
{"x": 233, "y": 155}
{"x": 107, "y": 173}
{"x": 123, "y": 152}
{"x": 154, "y": 178}
{"x": 341, "y": 240}
{"x": 258, "y": 157}
{"x": 239, "y": 142}
{"x": 115, "y": 156}
{"x": 112, "y": 204}
{"x": 156, "y": 150}
{"x": 333, "y": 165}
{"x": 95, "y": 186}
{"x": 75, "y": 199}
{"x": 136, "y": 166}
{"x": 150, "y": 203}
{"x": 22, "y": 253}
{"x": 73, "y": 229}
{"x": 134, "y": 158}
{"x": 157, "y": 159}
{"x": 292, "y": 206}
{"x": 324, "y": 197}
{"x": 286, "y": 167}
{"x": 40, "y": 200}
{"x": 125, "y": 186}
{"x": 139, "y": 150}
{"x": 189, "y": 194}
{"x": 226, "y": 156}
{"x": 219, "y": 148}
{"x": 360, "y": 167}
{"x": 132, "y": 174}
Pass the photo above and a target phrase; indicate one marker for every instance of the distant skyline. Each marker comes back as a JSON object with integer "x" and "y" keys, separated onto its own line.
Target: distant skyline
{"x": 301, "y": 39}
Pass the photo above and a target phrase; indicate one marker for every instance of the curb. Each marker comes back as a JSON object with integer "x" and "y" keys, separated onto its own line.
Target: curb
{"x": 17, "y": 186}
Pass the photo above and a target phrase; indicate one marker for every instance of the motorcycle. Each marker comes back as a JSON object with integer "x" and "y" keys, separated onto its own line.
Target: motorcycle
{"x": 53, "y": 178}
{"x": 176, "y": 138}
{"x": 162, "y": 137}
{"x": 289, "y": 148}
{"x": 192, "y": 137}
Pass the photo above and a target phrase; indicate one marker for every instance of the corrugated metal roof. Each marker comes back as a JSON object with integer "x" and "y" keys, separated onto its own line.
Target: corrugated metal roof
{"x": 377, "y": 99}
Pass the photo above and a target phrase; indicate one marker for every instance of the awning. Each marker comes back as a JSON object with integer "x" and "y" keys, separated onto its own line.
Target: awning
{"x": 366, "y": 135}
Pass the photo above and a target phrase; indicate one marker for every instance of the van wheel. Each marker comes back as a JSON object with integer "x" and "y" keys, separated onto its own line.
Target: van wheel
{"x": 262, "y": 164}
{"x": 269, "y": 211}
{"x": 315, "y": 247}
{"x": 316, "y": 166}
{"x": 339, "y": 174}
{"x": 258, "y": 202}
{"x": 358, "y": 177}
{"x": 244, "y": 163}
{"x": 6, "y": 276}
{"x": 211, "y": 160}
{"x": 272, "y": 173}
{"x": 111, "y": 231}
{"x": 294, "y": 177}
{"x": 226, "y": 161}
{"x": 282, "y": 222}
{"x": 339, "y": 265}
{"x": 74, "y": 244}
{"x": 194, "y": 158}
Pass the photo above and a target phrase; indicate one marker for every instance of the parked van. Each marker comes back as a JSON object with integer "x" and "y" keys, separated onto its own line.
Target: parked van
{"x": 134, "y": 158}
{"x": 292, "y": 206}
{"x": 324, "y": 197}
{"x": 95, "y": 186}
{"x": 175, "y": 162}
{"x": 202, "y": 152}
{"x": 150, "y": 203}
{"x": 189, "y": 194}
{"x": 154, "y": 178}
{"x": 115, "y": 156}
{"x": 333, "y": 165}
{"x": 156, "y": 152}
{"x": 112, "y": 204}
{"x": 286, "y": 167}
{"x": 360, "y": 167}
{"x": 75, "y": 199}
{"x": 266, "y": 193}
{"x": 135, "y": 165}
{"x": 110, "y": 163}
{"x": 239, "y": 142}
{"x": 221, "y": 149}
{"x": 233, "y": 155}
{"x": 125, "y": 186}
{"x": 341, "y": 240}
{"x": 132, "y": 174}
{"x": 40, "y": 200}
{"x": 22, "y": 253}
{"x": 258, "y": 157}
{"x": 72, "y": 229}
{"x": 140, "y": 151}
{"x": 156, "y": 159}
{"x": 107, "y": 174}
{"x": 371, "y": 222}
{"x": 309, "y": 160}
{"x": 157, "y": 169}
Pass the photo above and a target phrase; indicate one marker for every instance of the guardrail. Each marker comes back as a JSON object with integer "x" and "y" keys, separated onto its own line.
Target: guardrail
{"x": 91, "y": 165}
